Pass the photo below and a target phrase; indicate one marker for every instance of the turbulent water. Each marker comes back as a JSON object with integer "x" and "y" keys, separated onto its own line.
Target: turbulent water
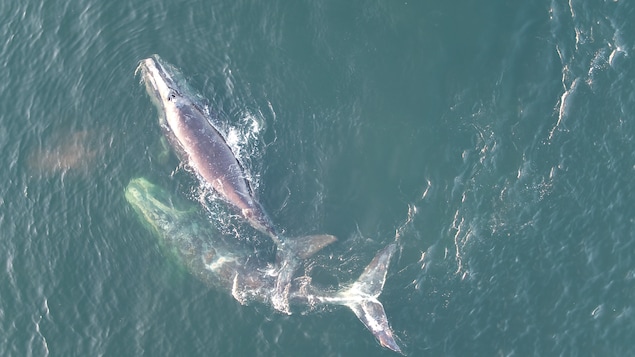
{"x": 494, "y": 141}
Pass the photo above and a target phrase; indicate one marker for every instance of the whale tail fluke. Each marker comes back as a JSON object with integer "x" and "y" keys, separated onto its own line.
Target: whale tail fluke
{"x": 306, "y": 246}
{"x": 361, "y": 297}
{"x": 290, "y": 254}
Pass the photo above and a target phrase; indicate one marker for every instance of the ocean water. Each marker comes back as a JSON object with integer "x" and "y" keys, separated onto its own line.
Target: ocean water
{"x": 494, "y": 141}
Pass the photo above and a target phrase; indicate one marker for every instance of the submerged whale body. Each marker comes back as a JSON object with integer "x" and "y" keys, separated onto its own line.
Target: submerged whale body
{"x": 185, "y": 232}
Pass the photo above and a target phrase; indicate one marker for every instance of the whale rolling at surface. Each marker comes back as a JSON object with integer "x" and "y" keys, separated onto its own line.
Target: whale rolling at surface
{"x": 186, "y": 235}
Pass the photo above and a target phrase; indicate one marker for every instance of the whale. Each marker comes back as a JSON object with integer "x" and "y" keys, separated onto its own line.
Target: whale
{"x": 204, "y": 150}
{"x": 198, "y": 143}
{"x": 194, "y": 242}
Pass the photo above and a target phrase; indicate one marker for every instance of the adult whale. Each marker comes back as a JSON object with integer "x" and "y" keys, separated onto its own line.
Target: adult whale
{"x": 185, "y": 234}
{"x": 201, "y": 146}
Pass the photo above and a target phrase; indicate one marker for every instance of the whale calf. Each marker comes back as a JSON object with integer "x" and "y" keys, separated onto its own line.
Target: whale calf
{"x": 186, "y": 234}
{"x": 198, "y": 143}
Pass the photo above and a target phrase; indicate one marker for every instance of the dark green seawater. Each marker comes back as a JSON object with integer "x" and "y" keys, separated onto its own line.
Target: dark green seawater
{"x": 494, "y": 141}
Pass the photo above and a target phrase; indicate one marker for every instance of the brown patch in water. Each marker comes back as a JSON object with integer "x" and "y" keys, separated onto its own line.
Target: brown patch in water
{"x": 66, "y": 152}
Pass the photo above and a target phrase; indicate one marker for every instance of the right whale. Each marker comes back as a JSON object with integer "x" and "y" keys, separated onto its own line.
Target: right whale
{"x": 186, "y": 234}
{"x": 202, "y": 147}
